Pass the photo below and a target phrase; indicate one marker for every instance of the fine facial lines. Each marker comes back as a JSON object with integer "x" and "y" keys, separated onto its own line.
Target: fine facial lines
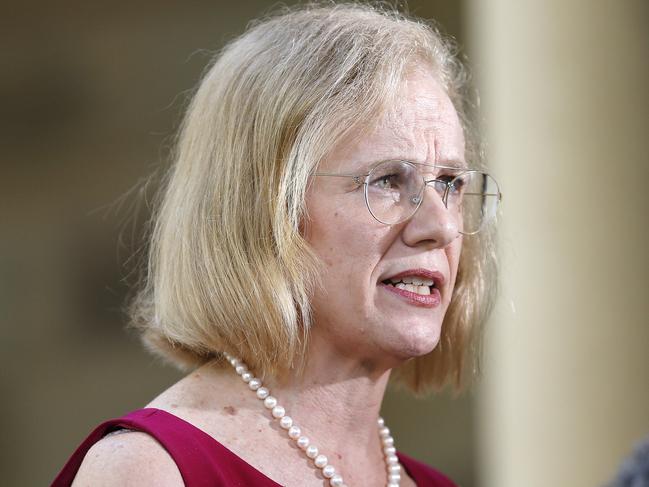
{"x": 455, "y": 166}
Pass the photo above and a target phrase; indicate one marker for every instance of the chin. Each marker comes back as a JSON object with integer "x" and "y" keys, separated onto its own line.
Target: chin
{"x": 418, "y": 341}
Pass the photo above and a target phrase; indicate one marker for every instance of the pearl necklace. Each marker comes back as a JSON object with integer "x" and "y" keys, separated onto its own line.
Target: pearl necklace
{"x": 311, "y": 451}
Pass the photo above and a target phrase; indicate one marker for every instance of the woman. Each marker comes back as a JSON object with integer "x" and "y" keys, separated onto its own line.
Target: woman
{"x": 324, "y": 229}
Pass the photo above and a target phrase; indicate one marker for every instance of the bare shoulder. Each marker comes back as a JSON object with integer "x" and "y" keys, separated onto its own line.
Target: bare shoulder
{"x": 128, "y": 459}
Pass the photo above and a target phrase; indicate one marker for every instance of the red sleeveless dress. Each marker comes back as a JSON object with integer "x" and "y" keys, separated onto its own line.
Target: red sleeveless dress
{"x": 203, "y": 461}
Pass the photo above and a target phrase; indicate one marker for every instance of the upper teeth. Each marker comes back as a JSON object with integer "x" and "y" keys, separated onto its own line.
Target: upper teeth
{"x": 425, "y": 290}
{"x": 417, "y": 281}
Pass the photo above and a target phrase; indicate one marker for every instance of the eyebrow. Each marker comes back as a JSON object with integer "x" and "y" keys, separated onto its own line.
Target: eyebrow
{"x": 453, "y": 164}
{"x": 367, "y": 167}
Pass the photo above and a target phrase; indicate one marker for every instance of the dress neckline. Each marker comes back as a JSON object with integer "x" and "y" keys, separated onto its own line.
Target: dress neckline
{"x": 406, "y": 462}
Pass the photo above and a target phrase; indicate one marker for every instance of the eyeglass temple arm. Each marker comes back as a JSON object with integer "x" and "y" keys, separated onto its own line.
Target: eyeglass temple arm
{"x": 447, "y": 183}
{"x": 358, "y": 179}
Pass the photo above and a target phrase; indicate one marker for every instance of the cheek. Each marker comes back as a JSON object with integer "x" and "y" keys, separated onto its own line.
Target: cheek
{"x": 457, "y": 252}
{"x": 332, "y": 242}
{"x": 348, "y": 243}
{"x": 349, "y": 253}
{"x": 329, "y": 229}
{"x": 323, "y": 235}
{"x": 453, "y": 253}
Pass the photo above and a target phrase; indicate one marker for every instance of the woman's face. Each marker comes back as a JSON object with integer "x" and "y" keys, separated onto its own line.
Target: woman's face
{"x": 359, "y": 312}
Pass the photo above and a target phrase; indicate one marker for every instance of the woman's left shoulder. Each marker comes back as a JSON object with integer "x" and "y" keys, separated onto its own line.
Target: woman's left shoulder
{"x": 424, "y": 475}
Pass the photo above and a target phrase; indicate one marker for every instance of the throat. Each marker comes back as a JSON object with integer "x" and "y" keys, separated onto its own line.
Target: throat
{"x": 322, "y": 437}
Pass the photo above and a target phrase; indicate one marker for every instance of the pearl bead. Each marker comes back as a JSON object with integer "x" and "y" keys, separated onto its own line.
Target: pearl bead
{"x": 294, "y": 432}
{"x": 389, "y": 441}
{"x": 311, "y": 451}
{"x": 390, "y": 450}
{"x": 320, "y": 461}
{"x": 278, "y": 412}
{"x": 328, "y": 471}
{"x": 286, "y": 422}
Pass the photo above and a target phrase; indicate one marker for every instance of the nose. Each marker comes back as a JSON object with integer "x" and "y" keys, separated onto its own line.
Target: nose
{"x": 432, "y": 224}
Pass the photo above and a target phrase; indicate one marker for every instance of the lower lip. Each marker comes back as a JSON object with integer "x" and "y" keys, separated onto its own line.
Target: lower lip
{"x": 431, "y": 300}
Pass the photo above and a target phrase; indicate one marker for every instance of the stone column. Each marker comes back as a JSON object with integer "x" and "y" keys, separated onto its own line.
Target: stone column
{"x": 565, "y": 88}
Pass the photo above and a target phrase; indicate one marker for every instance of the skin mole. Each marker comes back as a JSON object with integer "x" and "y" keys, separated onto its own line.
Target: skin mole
{"x": 230, "y": 410}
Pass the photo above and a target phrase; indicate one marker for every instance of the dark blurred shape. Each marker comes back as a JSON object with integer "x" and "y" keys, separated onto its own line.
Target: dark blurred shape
{"x": 634, "y": 471}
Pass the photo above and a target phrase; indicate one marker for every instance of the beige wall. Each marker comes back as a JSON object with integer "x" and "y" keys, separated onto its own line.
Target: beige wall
{"x": 565, "y": 86}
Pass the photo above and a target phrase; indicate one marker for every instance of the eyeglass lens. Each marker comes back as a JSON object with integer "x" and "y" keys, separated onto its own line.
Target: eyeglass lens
{"x": 395, "y": 190}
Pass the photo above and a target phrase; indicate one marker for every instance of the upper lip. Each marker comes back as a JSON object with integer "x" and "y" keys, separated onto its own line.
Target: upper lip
{"x": 437, "y": 277}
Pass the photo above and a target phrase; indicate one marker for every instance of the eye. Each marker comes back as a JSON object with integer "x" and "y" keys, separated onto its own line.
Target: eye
{"x": 440, "y": 183}
{"x": 392, "y": 177}
{"x": 386, "y": 181}
{"x": 459, "y": 183}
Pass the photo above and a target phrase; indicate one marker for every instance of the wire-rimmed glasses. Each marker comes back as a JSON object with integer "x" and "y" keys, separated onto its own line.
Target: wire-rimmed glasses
{"x": 394, "y": 191}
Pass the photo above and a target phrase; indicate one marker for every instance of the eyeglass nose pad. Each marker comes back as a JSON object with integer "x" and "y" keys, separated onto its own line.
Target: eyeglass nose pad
{"x": 416, "y": 199}
{"x": 442, "y": 194}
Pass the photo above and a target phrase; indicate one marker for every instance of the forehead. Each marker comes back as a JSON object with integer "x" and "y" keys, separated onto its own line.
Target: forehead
{"x": 421, "y": 126}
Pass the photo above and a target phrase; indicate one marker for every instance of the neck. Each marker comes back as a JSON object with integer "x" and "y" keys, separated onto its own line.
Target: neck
{"x": 339, "y": 411}
{"x": 336, "y": 400}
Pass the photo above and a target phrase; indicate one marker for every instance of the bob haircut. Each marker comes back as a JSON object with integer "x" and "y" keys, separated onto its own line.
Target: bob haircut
{"x": 228, "y": 268}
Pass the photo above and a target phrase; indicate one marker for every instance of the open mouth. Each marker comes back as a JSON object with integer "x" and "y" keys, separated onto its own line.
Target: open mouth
{"x": 417, "y": 285}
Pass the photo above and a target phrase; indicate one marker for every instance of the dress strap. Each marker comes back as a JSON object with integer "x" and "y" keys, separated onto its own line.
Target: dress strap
{"x": 201, "y": 460}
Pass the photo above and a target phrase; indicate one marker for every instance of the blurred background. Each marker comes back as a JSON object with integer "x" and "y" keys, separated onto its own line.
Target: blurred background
{"x": 91, "y": 94}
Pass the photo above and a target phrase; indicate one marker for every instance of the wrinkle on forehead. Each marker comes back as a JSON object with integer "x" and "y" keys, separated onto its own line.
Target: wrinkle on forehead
{"x": 426, "y": 125}
{"x": 421, "y": 126}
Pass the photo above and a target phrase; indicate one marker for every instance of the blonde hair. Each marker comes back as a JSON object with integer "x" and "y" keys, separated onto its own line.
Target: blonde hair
{"x": 228, "y": 269}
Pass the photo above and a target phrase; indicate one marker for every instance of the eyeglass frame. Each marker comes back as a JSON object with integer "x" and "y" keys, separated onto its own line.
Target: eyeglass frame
{"x": 362, "y": 180}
